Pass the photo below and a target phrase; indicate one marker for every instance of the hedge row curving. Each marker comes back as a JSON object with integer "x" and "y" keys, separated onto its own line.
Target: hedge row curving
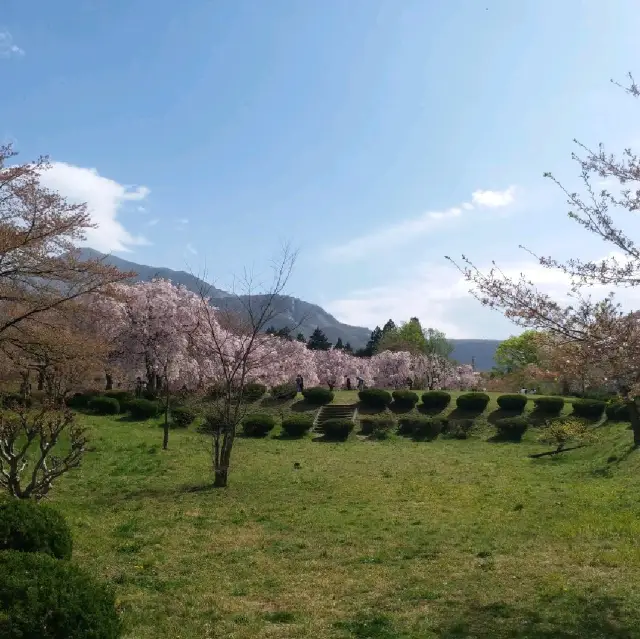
{"x": 588, "y": 408}
{"x": 405, "y": 399}
{"x": 318, "y": 395}
{"x": 297, "y": 425}
{"x": 258, "y": 424}
{"x": 548, "y": 405}
{"x": 512, "y": 401}
{"x": 473, "y": 401}
{"x": 31, "y": 527}
{"x": 375, "y": 397}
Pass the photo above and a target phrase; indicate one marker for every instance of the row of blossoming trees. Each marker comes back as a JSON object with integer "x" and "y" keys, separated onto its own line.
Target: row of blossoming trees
{"x": 163, "y": 333}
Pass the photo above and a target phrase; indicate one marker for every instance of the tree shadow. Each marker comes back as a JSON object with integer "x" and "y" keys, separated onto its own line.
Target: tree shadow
{"x": 576, "y": 617}
{"x": 369, "y": 410}
{"x": 538, "y": 417}
{"x": 272, "y": 402}
{"x": 302, "y": 406}
{"x": 400, "y": 410}
{"x": 459, "y": 413}
{"x": 501, "y": 413}
{"x": 429, "y": 411}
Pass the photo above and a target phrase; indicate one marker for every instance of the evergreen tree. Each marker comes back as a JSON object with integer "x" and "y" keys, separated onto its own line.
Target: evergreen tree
{"x": 389, "y": 327}
{"x": 301, "y": 338}
{"x": 339, "y": 345}
{"x": 347, "y": 348}
{"x": 318, "y": 341}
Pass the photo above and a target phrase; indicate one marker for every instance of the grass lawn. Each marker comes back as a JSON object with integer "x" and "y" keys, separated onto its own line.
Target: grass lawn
{"x": 385, "y": 540}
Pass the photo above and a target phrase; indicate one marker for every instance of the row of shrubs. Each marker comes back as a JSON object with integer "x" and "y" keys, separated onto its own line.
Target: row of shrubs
{"x": 42, "y": 594}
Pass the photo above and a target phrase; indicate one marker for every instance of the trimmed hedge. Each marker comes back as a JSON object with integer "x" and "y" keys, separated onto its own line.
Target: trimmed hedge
{"x": 258, "y": 424}
{"x": 142, "y": 409}
{"x": 473, "y": 401}
{"x": 253, "y": 392}
{"x": 31, "y": 527}
{"x": 182, "y": 417}
{"x": 104, "y": 405}
{"x": 588, "y": 408}
{"x": 436, "y": 400}
{"x": 80, "y": 401}
{"x": 459, "y": 428}
{"x": 618, "y": 412}
{"x": 371, "y": 423}
{"x": 549, "y": 405}
{"x": 318, "y": 395}
{"x": 284, "y": 391}
{"x": 512, "y": 401}
{"x": 123, "y": 396}
{"x": 512, "y": 428}
{"x": 50, "y": 599}
{"x": 297, "y": 425}
{"x": 337, "y": 429}
{"x": 375, "y": 398}
{"x": 405, "y": 398}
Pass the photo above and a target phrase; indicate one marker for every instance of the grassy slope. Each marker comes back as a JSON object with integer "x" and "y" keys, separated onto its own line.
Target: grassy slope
{"x": 368, "y": 539}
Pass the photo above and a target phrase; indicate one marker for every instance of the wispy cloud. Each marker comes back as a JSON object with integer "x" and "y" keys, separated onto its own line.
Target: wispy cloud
{"x": 407, "y": 230}
{"x": 104, "y": 198}
{"x": 153, "y": 222}
{"x": 192, "y": 249}
{"x": 7, "y": 46}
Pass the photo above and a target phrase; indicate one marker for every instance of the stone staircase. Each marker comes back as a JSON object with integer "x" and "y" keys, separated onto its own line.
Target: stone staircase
{"x": 334, "y": 411}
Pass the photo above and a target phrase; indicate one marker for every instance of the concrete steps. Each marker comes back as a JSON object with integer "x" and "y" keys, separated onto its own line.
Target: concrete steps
{"x": 334, "y": 411}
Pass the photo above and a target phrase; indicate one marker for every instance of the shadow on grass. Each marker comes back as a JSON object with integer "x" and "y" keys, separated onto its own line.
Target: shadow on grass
{"x": 302, "y": 406}
{"x": 429, "y": 411}
{"x": 561, "y": 617}
{"x": 501, "y": 413}
{"x": 538, "y": 417}
{"x": 286, "y": 437}
{"x": 368, "y": 410}
{"x": 459, "y": 413}
{"x": 400, "y": 410}
{"x": 273, "y": 402}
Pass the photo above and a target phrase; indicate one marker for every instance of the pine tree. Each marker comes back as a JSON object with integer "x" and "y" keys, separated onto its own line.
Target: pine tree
{"x": 318, "y": 341}
{"x": 301, "y": 338}
{"x": 339, "y": 345}
{"x": 347, "y": 348}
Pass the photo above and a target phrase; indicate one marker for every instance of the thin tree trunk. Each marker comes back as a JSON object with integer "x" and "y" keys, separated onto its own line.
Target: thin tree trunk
{"x": 109, "y": 384}
{"x": 634, "y": 417}
{"x": 165, "y": 438}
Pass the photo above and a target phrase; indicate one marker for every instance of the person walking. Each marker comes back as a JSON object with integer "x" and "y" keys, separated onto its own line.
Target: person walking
{"x": 348, "y": 383}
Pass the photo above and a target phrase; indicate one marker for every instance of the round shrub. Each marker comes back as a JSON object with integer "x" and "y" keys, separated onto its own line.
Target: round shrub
{"x": 422, "y": 427}
{"x": 473, "y": 401}
{"x": 512, "y": 401}
{"x": 123, "y": 396}
{"x": 405, "y": 399}
{"x": 104, "y": 405}
{"x": 588, "y": 408}
{"x": 618, "y": 412}
{"x": 318, "y": 395}
{"x": 436, "y": 400}
{"x": 258, "y": 424}
{"x": 375, "y": 398}
{"x": 548, "y": 405}
{"x": 284, "y": 392}
{"x": 337, "y": 429}
{"x": 182, "y": 417}
{"x": 49, "y": 599}
{"x": 459, "y": 428}
{"x": 141, "y": 409}
{"x": 253, "y": 392}
{"x": 371, "y": 423}
{"x": 80, "y": 401}
{"x": 297, "y": 425}
{"x": 512, "y": 428}
{"x": 31, "y": 527}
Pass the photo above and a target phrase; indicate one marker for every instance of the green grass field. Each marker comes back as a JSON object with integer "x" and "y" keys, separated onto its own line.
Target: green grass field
{"x": 391, "y": 539}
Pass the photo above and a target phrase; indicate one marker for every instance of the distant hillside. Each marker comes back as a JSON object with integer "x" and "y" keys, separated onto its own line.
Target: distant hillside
{"x": 295, "y": 312}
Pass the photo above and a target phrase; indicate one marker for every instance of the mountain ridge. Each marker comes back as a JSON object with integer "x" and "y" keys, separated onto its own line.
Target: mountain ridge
{"x": 293, "y": 311}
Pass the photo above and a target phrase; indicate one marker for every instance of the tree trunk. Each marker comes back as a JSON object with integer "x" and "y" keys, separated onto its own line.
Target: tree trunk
{"x": 165, "y": 438}
{"x": 109, "y": 384}
{"x": 40, "y": 380}
{"x": 634, "y": 417}
{"x": 220, "y": 480}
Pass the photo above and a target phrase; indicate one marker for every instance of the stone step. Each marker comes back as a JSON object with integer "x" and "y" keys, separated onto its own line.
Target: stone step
{"x": 334, "y": 411}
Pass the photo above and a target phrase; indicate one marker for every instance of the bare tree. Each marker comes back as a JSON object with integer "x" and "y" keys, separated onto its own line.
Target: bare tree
{"x": 232, "y": 341}
{"x": 28, "y": 438}
{"x": 605, "y": 338}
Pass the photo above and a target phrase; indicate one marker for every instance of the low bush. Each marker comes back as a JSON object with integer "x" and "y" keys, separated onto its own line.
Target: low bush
{"x": 258, "y": 424}
{"x": 284, "y": 392}
{"x": 436, "y": 400}
{"x": 123, "y": 396}
{"x": 31, "y": 527}
{"x": 371, "y": 423}
{"x": 548, "y": 405}
{"x": 49, "y": 599}
{"x": 80, "y": 401}
{"x": 337, "y": 429}
{"x": 618, "y": 412}
{"x": 473, "y": 401}
{"x": 405, "y": 399}
{"x": 375, "y": 398}
{"x": 512, "y": 401}
{"x": 253, "y": 392}
{"x": 512, "y": 428}
{"x": 588, "y": 408}
{"x": 317, "y": 395}
{"x": 429, "y": 428}
{"x": 141, "y": 409}
{"x": 104, "y": 405}
{"x": 182, "y": 416}
{"x": 297, "y": 425}
{"x": 459, "y": 428}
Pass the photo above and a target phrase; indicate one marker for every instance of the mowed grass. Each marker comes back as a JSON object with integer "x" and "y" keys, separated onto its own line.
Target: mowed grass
{"x": 366, "y": 539}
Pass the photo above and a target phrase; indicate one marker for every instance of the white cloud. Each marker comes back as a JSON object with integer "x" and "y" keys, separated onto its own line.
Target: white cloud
{"x": 192, "y": 249}
{"x": 7, "y": 47}
{"x": 153, "y": 222}
{"x": 440, "y": 297}
{"x": 104, "y": 198}
{"x": 493, "y": 199}
{"x": 183, "y": 220}
{"x": 409, "y": 229}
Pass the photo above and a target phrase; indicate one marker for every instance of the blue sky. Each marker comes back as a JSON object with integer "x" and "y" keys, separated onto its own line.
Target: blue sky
{"x": 376, "y": 136}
